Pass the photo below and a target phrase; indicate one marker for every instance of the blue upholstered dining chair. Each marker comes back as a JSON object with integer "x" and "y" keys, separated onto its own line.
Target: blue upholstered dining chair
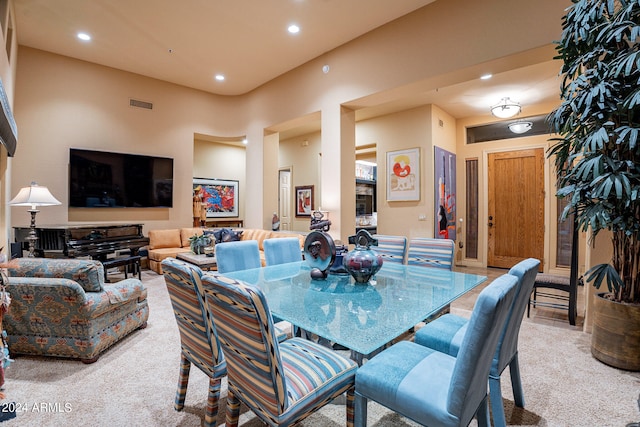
{"x": 282, "y": 250}
{"x": 391, "y": 248}
{"x": 198, "y": 340}
{"x": 282, "y": 383}
{"x": 240, "y": 255}
{"x": 446, "y": 334}
{"x": 429, "y": 252}
{"x": 434, "y": 388}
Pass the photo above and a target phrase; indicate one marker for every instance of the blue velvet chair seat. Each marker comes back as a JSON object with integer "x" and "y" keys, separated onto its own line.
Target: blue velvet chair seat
{"x": 405, "y": 368}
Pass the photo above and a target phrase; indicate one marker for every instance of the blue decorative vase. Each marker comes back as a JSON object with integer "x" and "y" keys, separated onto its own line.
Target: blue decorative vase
{"x": 362, "y": 262}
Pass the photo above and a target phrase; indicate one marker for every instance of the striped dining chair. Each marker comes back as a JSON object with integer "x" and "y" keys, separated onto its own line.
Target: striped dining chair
{"x": 430, "y": 252}
{"x": 282, "y": 383}
{"x": 198, "y": 340}
{"x": 391, "y": 248}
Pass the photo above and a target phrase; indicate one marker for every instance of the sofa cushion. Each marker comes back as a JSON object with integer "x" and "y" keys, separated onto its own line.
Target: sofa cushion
{"x": 88, "y": 274}
{"x": 162, "y": 253}
{"x": 256, "y": 234}
{"x": 187, "y": 233}
{"x": 164, "y": 239}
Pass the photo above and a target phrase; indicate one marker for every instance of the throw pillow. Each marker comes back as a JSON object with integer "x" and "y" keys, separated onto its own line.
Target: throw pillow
{"x": 227, "y": 235}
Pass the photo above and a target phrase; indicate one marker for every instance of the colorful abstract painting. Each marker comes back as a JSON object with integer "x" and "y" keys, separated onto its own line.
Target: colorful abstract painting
{"x": 220, "y": 197}
{"x": 445, "y": 194}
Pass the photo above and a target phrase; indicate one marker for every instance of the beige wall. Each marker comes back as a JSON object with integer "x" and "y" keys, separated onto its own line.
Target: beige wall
{"x": 218, "y": 160}
{"x": 61, "y": 103}
{"x": 8, "y": 62}
{"x": 64, "y": 103}
{"x": 302, "y": 155}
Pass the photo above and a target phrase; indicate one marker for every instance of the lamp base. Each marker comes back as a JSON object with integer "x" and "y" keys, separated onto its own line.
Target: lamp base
{"x": 33, "y": 235}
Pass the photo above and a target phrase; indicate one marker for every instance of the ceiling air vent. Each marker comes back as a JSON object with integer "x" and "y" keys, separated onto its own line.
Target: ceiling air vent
{"x": 140, "y": 104}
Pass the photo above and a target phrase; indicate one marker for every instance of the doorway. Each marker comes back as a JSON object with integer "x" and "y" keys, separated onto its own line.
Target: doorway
{"x": 515, "y": 220}
{"x": 284, "y": 198}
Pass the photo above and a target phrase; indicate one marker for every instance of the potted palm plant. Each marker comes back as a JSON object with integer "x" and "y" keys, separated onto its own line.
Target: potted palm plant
{"x": 597, "y": 160}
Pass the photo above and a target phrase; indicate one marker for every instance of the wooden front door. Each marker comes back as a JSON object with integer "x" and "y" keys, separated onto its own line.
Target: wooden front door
{"x": 516, "y": 207}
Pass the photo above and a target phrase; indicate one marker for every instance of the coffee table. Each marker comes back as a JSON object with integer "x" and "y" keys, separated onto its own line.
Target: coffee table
{"x": 201, "y": 260}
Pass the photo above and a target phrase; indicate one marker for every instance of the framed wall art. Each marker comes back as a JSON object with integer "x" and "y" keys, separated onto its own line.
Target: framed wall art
{"x": 220, "y": 196}
{"x": 304, "y": 200}
{"x": 445, "y": 194}
{"x": 403, "y": 175}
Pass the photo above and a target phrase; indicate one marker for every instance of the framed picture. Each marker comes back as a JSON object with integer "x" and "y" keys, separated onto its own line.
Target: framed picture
{"x": 445, "y": 194}
{"x": 403, "y": 175}
{"x": 220, "y": 196}
{"x": 304, "y": 200}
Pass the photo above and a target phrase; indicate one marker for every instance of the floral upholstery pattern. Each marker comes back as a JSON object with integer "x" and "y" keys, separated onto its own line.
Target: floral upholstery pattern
{"x": 63, "y": 308}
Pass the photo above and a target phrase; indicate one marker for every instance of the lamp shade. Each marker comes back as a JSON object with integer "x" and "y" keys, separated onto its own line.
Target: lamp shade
{"x": 34, "y": 195}
{"x": 520, "y": 126}
{"x": 505, "y": 109}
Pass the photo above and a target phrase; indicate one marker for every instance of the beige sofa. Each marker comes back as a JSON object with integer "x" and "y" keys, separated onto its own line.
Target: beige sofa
{"x": 169, "y": 243}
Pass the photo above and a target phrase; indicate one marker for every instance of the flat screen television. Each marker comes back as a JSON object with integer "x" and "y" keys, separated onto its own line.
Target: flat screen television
{"x": 100, "y": 179}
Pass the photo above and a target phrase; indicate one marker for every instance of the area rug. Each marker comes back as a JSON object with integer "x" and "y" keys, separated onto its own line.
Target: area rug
{"x": 134, "y": 383}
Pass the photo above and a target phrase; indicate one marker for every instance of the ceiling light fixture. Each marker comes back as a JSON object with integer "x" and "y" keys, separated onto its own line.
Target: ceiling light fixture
{"x": 505, "y": 109}
{"x": 219, "y": 77}
{"x": 520, "y": 126}
{"x": 84, "y": 36}
{"x": 486, "y": 76}
{"x": 293, "y": 29}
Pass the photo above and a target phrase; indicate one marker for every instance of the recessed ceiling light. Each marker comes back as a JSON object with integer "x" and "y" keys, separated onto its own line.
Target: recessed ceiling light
{"x": 293, "y": 29}
{"x": 486, "y": 76}
{"x": 84, "y": 36}
{"x": 219, "y": 77}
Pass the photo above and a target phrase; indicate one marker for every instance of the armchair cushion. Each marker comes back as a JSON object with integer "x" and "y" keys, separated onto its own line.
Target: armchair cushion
{"x": 89, "y": 275}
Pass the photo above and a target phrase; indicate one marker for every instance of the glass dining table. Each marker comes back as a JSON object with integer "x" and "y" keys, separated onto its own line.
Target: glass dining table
{"x": 361, "y": 317}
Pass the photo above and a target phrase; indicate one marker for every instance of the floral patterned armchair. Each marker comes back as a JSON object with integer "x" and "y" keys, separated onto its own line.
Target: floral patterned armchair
{"x": 63, "y": 308}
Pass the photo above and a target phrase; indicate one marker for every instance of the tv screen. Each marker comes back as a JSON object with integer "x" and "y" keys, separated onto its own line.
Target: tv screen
{"x": 100, "y": 179}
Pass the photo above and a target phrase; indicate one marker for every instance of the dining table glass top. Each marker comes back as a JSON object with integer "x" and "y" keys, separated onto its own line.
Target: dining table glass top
{"x": 361, "y": 317}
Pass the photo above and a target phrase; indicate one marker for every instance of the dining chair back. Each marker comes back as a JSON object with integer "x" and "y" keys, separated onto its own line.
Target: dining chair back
{"x": 434, "y": 388}
{"x": 567, "y": 299}
{"x": 240, "y": 255}
{"x": 430, "y": 252}
{"x": 391, "y": 248}
{"x": 198, "y": 340}
{"x": 282, "y": 383}
{"x": 447, "y": 333}
{"x": 281, "y": 250}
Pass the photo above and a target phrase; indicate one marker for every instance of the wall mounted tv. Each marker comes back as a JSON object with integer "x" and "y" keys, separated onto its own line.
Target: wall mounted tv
{"x": 100, "y": 179}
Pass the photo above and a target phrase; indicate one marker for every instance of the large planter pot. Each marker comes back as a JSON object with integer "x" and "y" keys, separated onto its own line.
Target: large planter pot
{"x": 616, "y": 333}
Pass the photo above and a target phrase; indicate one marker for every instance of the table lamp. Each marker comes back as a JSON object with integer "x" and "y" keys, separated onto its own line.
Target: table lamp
{"x": 34, "y": 196}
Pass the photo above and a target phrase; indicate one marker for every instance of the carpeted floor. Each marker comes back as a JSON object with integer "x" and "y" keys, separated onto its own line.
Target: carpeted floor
{"x": 134, "y": 383}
